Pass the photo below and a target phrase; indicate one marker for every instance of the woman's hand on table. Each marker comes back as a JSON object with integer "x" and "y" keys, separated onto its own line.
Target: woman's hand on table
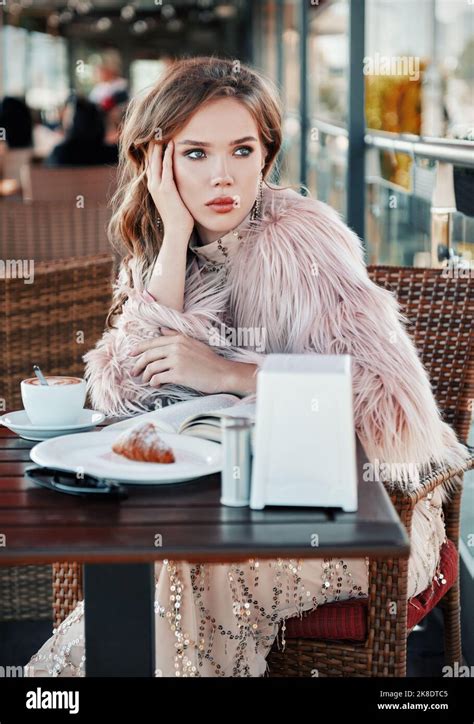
{"x": 178, "y": 359}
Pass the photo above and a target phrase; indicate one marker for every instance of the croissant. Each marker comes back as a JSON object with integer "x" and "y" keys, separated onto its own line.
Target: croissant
{"x": 144, "y": 444}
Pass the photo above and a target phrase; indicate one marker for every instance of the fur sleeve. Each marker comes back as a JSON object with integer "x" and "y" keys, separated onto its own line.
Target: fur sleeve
{"x": 311, "y": 281}
{"x": 108, "y": 366}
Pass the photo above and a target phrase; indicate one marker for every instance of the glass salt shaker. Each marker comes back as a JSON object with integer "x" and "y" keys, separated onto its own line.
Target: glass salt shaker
{"x": 236, "y": 453}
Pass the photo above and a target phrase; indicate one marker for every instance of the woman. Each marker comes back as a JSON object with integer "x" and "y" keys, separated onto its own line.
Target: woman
{"x": 17, "y": 125}
{"x": 271, "y": 260}
{"x": 16, "y": 119}
{"x": 84, "y": 144}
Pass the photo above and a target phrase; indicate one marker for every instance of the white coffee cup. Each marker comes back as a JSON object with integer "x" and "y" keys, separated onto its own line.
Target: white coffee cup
{"x": 60, "y": 402}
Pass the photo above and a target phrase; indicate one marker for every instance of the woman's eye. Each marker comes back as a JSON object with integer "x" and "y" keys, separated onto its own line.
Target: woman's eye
{"x": 190, "y": 154}
{"x": 248, "y": 150}
{"x": 194, "y": 150}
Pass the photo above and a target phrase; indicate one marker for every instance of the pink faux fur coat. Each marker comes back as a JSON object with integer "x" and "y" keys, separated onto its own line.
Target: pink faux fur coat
{"x": 300, "y": 276}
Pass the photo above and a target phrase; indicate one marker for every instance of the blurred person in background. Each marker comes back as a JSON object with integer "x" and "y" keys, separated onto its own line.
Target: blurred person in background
{"x": 109, "y": 79}
{"x": 16, "y": 132}
{"x": 16, "y": 119}
{"x": 114, "y": 108}
{"x": 84, "y": 142}
{"x": 45, "y": 137}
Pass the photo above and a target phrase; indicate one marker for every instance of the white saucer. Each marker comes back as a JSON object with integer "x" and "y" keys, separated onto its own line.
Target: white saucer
{"x": 92, "y": 453}
{"x": 19, "y": 422}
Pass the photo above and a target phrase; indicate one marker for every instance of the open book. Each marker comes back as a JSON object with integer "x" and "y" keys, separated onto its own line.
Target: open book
{"x": 199, "y": 417}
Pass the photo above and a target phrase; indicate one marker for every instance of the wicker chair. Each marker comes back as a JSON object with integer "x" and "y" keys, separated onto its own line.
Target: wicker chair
{"x": 91, "y": 183}
{"x": 441, "y": 311}
{"x": 49, "y": 230}
{"x": 54, "y": 322}
{"x": 51, "y": 323}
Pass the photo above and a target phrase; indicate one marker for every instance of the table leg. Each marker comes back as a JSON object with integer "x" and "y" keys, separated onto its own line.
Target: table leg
{"x": 119, "y": 619}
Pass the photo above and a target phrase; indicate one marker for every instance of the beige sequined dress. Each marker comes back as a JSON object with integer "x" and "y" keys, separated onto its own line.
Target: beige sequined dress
{"x": 222, "y": 619}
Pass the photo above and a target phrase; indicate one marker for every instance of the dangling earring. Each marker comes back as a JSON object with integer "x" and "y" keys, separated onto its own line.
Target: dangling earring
{"x": 158, "y": 223}
{"x": 256, "y": 212}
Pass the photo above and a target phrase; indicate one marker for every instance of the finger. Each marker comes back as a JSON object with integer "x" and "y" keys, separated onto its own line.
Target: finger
{"x": 149, "y": 156}
{"x": 167, "y": 174}
{"x": 158, "y": 159}
{"x": 148, "y": 357}
{"x": 149, "y": 344}
{"x": 159, "y": 366}
{"x": 162, "y": 378}
{"x": 153, "y": 168}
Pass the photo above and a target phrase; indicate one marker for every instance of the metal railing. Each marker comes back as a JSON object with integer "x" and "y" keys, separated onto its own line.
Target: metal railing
{"x": 329, "y": 129}
{"x": 446, "y": 150}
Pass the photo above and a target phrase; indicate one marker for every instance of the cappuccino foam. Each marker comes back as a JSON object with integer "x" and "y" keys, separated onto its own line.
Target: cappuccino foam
{"x": 53, "y": 381}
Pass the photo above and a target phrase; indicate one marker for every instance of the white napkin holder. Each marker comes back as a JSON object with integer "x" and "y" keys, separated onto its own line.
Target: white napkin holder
{"x": 304, "y": 451}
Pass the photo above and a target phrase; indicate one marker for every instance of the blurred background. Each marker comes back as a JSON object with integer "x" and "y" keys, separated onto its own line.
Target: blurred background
{"x": 378, "y": 122}
{"x": 417, "y": 58}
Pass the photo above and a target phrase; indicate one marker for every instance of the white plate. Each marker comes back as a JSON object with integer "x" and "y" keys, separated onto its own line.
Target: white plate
{"x": 92, "y": 453}
{"x": 19, "y": 422}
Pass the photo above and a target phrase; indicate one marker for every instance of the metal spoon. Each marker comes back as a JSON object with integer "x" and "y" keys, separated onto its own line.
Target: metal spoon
{"x": 39, "y": 375}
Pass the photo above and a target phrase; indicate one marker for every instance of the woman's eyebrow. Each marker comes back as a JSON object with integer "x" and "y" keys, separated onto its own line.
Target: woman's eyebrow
{"x": 187, "y": 142}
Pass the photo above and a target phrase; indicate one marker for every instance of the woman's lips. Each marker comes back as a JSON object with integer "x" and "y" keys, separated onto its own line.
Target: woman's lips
{"x": 221, "y": 208}
{"x": 222, "y": 204}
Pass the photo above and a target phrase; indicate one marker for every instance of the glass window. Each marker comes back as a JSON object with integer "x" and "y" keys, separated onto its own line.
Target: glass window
{"x": 327, "y": 168}
{"x": 328, "y": 51}
{"x": 420, "y": 80}
{"x": 420, "y": 65}
{"x": 47, "y": 76}
{"x": 268, "y": 39}
{"x": 291, "y": 55}
{"x": 144, "y": 73}
{"x": 13, "y": 57}
{"x": 290, "y": 169}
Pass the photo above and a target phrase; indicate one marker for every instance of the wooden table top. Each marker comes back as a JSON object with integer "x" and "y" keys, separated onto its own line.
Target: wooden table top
{"x": 41, "y": 526}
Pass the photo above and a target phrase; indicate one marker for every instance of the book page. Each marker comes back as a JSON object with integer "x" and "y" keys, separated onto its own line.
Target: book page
{"x": 246, "y": 409}
{"x": 206, "y": 432}
{"x": 171, "y": 417}
{"x": 209, "y": 426}
{"x": 233, "y": 410}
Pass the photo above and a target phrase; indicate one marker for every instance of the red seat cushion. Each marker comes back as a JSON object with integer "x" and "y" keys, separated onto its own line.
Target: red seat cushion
{"x": 348, "y": 619}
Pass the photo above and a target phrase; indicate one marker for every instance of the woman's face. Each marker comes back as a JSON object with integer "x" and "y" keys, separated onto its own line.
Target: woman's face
{"x": 218, "y": 153}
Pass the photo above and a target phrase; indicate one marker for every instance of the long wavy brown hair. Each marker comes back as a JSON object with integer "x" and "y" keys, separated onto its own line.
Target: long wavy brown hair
{"x": 158, "y": 115}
